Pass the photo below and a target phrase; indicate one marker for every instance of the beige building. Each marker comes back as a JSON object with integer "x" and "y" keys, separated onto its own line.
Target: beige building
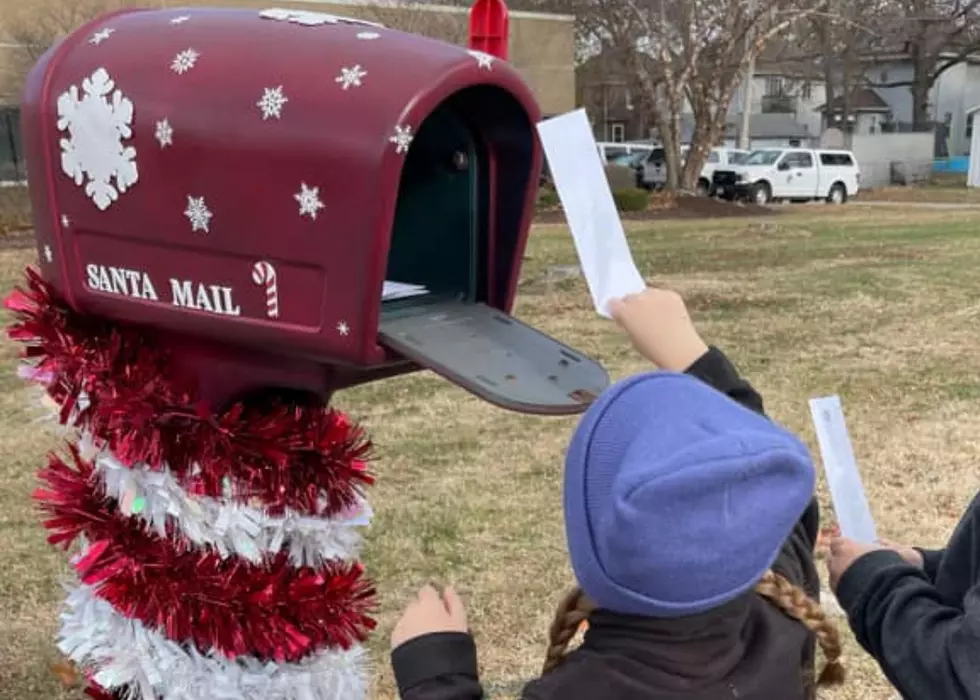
{"x": 541, "y": 45}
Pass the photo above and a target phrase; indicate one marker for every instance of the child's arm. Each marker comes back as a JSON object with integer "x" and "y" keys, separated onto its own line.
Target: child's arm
{"x": 437, "y": 666}
{"x": 716, "y": 370}
{"x": 925, "y": 647}
{"x": 658, "y": 323}
{"x": 433, "y": 655}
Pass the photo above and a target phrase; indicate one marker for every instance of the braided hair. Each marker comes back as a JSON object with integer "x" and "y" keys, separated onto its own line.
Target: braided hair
{"x": 575, "y": 608}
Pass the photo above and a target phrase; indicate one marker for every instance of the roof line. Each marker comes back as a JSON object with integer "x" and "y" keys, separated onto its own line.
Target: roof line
{"x": 449, "y": 9}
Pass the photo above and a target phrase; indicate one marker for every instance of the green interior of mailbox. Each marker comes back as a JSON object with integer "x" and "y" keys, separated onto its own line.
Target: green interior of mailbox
{"x": 435, "y": 237}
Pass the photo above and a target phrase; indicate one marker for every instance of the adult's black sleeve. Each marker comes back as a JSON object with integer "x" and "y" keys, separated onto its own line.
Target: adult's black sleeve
{"x": 926, "y": 648}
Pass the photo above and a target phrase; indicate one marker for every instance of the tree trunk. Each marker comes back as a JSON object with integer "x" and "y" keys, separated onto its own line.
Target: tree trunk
{"x": 921, "y": 84}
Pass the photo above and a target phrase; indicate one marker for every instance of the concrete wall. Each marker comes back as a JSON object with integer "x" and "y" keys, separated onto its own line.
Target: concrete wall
{"x": 877, "y": 153}
{"x": 542, "y": 46}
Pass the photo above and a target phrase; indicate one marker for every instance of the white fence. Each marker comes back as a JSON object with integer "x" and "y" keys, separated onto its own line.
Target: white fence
{"x": 887, "y": 159}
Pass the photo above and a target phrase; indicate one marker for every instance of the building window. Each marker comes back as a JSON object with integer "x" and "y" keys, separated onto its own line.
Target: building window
{"x": 883, "y": 77}
{"x": 969, "y": 127}
{"x": 618, "y": 132}
{"x": 806, "y": 91}
{"x": 774, "y": 86}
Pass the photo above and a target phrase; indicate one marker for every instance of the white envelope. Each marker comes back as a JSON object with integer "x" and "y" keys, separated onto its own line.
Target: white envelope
{"x": 580, "y": 180}
{"x": 843, "y": 478}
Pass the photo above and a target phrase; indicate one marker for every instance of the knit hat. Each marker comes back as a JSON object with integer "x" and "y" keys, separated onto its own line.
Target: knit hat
{"x": 678, "y": 499}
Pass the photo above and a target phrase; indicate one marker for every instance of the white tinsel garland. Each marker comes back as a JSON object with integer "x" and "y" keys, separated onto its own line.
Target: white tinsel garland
{"x": 230, "y": 526}
{"x": 125, "y": 655}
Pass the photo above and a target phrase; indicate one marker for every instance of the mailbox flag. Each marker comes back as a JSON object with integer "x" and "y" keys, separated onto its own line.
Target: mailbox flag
{"x": 489, "y": 27}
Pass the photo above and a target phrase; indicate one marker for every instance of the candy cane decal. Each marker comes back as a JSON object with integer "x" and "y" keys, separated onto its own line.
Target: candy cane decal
{"x": 264, "y": 273}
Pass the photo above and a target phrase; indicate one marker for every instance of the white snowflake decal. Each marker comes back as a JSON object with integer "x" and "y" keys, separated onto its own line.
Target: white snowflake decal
{"x": 368, "y": 36}
{"x": 198, "y": 214}
{"x": 309, "y": 200}
{"x": 184, "y": 61}
{"x": 48, "y": 255}
{"x": 343, "y": 328}
{"x": 164, "y": 133}
{"x": 100, "y": 36}
{"x": 350, "y": 77}
{"x": 180, "y": 20}
{"x": 483, "y": 60}
{"x": 312, "y": 19}
{"x": 96, "y": 127}
{"x": 272, "y": 102}
{"x": 402, "y": 138}
{"x": 65, "y": 221}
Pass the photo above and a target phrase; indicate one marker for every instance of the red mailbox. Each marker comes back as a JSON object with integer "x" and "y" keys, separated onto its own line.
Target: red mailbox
{"x": 295, "y": 200}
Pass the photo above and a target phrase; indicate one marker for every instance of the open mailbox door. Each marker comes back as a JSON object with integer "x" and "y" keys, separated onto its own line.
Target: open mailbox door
{"x": 494, "y": 356}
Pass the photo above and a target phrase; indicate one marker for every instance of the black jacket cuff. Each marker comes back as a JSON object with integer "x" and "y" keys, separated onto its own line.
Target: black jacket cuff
{"x": 858, "y": 579}
{"x": 432, "y": 656}
{"x": 931, "y": 558}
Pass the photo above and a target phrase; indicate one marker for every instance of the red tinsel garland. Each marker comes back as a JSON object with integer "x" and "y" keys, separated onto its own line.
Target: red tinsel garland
{"x": 271, "y": 611}
{"x": 281, "y": 453}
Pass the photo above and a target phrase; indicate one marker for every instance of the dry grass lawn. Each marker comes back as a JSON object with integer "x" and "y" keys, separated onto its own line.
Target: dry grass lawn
{"x": 878, "y": 306}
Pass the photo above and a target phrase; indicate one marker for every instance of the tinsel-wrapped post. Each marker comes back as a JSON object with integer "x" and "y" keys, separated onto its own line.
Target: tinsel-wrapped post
{"x": 216, "y": 553}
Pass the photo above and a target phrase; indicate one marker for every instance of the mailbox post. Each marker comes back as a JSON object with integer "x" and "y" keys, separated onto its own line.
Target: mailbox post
{"x": 228, "y": 233}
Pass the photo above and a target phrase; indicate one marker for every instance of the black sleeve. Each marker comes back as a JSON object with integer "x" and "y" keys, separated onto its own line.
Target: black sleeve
{"x": 925, "y": 648}
{"x": 795, "y": 561}
{"x": 439, "y": 666}
{"x": 716, "y": 370}
{"x": 931, "y": 559}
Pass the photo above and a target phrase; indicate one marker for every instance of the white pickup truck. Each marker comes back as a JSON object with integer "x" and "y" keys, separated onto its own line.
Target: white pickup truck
{"x": 776, "y": 174}
{"x": 654, "y": 169}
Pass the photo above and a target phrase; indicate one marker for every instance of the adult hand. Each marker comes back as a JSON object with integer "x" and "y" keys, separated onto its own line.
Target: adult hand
{"x": 843, "y": 553}
{"x": 657, "y": 322}
{"x": 428, "y": 613}
{"x": 909, "y": 554}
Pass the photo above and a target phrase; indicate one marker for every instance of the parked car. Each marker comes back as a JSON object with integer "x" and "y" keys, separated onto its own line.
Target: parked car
{"x": 653, "y": 173}
{"x": 614, "y": 153}
{"x": 775, "y": 174}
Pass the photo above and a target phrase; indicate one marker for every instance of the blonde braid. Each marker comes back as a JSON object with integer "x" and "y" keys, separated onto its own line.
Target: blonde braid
{"x": 793, "y": 601}
{"x": 573, "y": 610}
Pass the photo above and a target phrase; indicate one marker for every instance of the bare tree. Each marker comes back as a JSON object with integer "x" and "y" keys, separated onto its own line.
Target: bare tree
{"x": 692, "y": 52}
{"x": 834, "y": 42}
{"x": 32, "y": 28}
{"x": 935, "y": 35}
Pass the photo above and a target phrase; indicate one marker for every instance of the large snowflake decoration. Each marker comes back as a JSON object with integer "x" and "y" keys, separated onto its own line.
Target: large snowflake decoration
{"x": 94, "y": 153}
{"x": 184, "y": 61}
{"x": 402, "y": 138}
{"x": 312, "y": 19}
{"x": 350, "y": 77}
{"x": 198, "y": 214}
{"x": 272, "y": 102}
{"x": 309, "y": 200}
{"x": 483, "y": 60}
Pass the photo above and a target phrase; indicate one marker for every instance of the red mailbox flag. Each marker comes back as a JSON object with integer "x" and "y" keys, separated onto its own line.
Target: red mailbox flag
{"x": 489, "y": 30}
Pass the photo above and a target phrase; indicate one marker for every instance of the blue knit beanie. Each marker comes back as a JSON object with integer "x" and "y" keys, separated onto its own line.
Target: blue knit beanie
{"x": 678, "y": 499}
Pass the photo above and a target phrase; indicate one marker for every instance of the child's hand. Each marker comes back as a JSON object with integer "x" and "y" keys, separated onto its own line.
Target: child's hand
{"x": 843, "y": 553}
{"x": 657, "y": 322}
{"x": 430, "y": 613}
